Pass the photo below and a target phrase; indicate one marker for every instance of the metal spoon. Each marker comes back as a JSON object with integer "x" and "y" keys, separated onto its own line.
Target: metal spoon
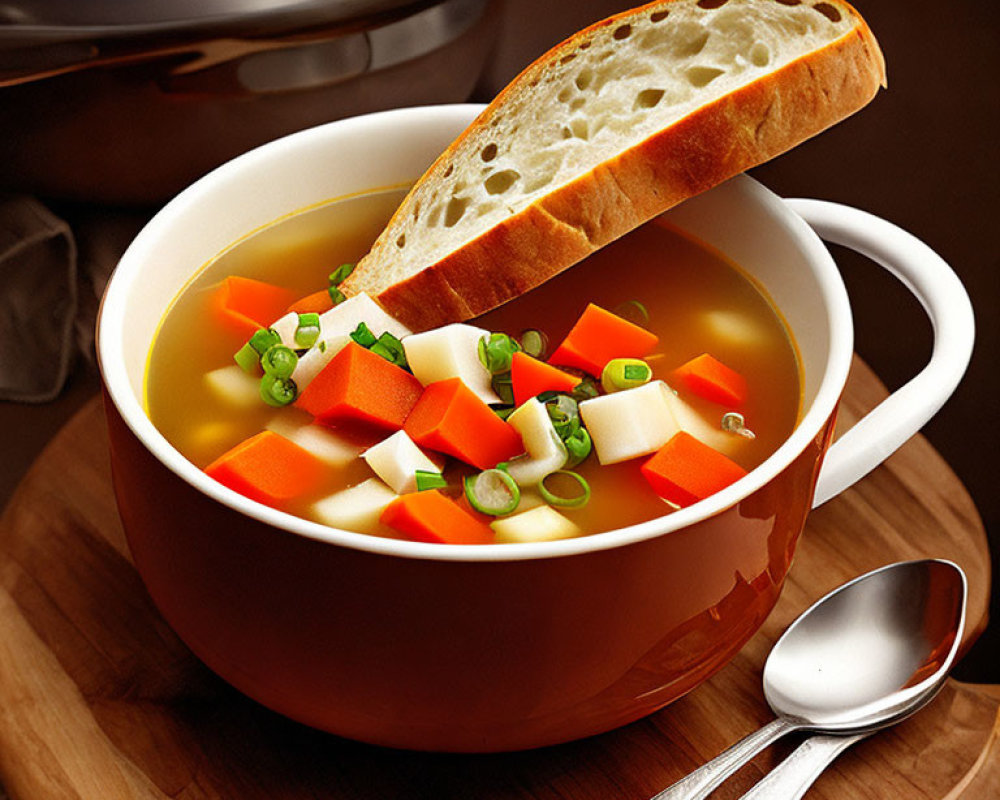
{"x": 864, "y": 657}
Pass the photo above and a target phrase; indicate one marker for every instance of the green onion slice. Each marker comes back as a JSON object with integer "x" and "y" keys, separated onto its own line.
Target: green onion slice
{"x": 307, "y": 331}
{"x": 632, "y": 311}
{"x": 571, "y": 501}
{"x": 339, "y": 275}
{"x": 264, "y": 339}
{"x": 248, "y": 359}
{"x": 534, "y": 343}
{"x": 279, "y": 361}
{"x": 430, "y": 480}
{"x": 277, "y": 391}
{"x": 336, "y": 296}
{"x": 564, "y": 413}
{"x": 363, "y": 336}
{"x": 586, "y": 389}
{"x": 578, "y": 447}
{"x": 493, "y": 492}
{"x": 504, "y": 387}
{"x": 625, "y": 373}
{"x": 496, "y": 351}
{"x": 390, "y": 348}
{"x": 503, "y": 411}
{"x": 734, "y": 422}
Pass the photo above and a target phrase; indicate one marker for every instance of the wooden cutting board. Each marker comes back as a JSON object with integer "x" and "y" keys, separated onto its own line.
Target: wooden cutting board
{"x": 99, "y": 699}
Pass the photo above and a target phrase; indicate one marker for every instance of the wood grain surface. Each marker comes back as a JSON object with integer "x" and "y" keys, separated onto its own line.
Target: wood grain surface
{"x": 99, "y": 699}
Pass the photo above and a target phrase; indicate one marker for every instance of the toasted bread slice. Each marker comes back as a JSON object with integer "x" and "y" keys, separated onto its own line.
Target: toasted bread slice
{"x": 605, "y": 131}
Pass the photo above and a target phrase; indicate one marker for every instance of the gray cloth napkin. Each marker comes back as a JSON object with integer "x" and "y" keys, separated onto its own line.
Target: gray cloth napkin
{"x": 38, "y": 300}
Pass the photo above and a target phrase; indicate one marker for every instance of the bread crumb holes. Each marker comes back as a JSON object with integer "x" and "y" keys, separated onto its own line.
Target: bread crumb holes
{"x": 828, "y": 11}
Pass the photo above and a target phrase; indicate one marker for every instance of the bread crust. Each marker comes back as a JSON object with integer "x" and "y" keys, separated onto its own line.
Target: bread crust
{"x": 718, "y": 140}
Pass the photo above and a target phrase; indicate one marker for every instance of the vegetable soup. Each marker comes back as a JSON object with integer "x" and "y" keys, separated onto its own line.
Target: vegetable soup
{"x": 639, "y": 381}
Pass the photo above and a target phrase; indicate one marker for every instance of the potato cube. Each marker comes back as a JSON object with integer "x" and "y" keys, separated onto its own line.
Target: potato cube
{"x": 234, "y": 387}
{"x": 327, "y": 445}
{"x": 540, "y": 524}
{"x": 357, "y": 508}
{"x": 451, "y": 351}
{"x": 631, "y": 423}
{"x": 396, "y": 460}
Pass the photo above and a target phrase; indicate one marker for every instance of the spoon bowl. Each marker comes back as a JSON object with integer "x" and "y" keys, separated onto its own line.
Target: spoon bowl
{"x": 863, "y": 657}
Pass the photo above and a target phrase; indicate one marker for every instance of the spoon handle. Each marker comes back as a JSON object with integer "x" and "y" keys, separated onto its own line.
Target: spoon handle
{"x": 792, "y": 777}
{"x": 704, "y": 780}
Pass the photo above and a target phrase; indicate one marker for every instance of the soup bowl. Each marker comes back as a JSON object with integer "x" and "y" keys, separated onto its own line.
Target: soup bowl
{"x": 493, "y": 647}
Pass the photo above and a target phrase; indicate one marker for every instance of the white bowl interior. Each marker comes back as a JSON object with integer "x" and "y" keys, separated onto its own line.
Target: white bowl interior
{"x": 740, "y": 218}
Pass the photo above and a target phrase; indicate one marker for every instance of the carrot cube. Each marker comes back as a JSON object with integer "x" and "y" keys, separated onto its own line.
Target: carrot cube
{"x": 599, "y": 336}
{"x": 451, "y": 419}
{"x": 685, "y": 470}
{"x": 712, "y": 380}
{"x": 268, "y": 468}
{"x": 358, "y": 387}
{"x": 317, "y": 303}
{"x": 244, "y": 304}
{"x": 531, "y": 377}
{"x": 429, "y": 516}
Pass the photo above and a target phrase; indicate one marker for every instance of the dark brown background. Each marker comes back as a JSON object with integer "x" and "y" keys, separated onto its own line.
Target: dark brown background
{"x": 922, "y": 155}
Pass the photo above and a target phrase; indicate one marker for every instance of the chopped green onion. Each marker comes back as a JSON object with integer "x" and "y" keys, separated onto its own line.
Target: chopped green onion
{"x": 534, "y": 343}
{"x": 264, "y": 339}
{"x": 496, "y": 351}
{"x": 504, "y": 387}
{"x": 277, "y": 391}
{"x": 363, "y": 336}
{"x": 307, "y": 331}
{"x": 625, "y": 373}
{"x": 586, "y": 389}
{"x": 572, "y": 501}
{"x": 248, "y": 359}
{"x": 578, "y": 446}
{"x": 391, "y": 349}
{"x": 733, "y": 422}
{"x": 339, "y": 275}
{"x": 493, "y": 492}
{"x": 279, "y": 361}
{"x": 336, "y": 296}
{"x": 503, "y": 411}
{"x": 633, "y": 311}
{"x": 564, "y": 413}
{"x": 430, "y": 480}
{"x": 322, "y": 346}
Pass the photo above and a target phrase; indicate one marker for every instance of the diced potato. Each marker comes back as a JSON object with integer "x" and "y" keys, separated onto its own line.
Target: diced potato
{"x": 311, "y": 362}
{"x": 546, "y": 452}
{"x": 735, "y": 327}
{"x": 631, "y": 423}
{"x": 451, "y": 351}
{"x": 357, "y": 508}
{"x": 396, "y": 461}
{"x": 327, "y": 445}
{"x": 702, "y": 428}
{"x": 540, "y": 524}
{"x": 234, "y": 387}
{"x": 344, "y": 318}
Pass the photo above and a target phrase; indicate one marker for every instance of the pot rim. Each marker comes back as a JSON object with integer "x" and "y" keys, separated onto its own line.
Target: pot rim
{"x": 111, "y": 363}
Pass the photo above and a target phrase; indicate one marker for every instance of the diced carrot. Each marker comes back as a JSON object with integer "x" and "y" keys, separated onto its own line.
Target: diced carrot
{"x": 686, "y": 470}
{"x": 317, "y": 303}
{"x": 429, "y": 516}
{"x": 531, "y": 377}
{"x": 362, "y": 389}
{"x": 599, "y": 336}
{"x": 268, "y": 468}
{"x": 245, "y": 304}
{"x": 451, "y": 419}
{"x": 709, "y": 378}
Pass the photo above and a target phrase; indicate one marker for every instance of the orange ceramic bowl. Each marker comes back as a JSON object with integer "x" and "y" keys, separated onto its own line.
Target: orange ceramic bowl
{"x": 445, "y": 647}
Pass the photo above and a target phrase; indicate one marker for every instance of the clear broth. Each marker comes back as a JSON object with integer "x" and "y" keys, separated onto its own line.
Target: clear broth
{"x": 697, "y": 302}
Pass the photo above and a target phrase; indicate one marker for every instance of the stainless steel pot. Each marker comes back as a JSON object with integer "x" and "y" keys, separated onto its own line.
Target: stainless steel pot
{"x": 124, "y": 102}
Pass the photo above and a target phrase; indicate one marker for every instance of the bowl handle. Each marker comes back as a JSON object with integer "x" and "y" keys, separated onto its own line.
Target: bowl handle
{"x": 877, "y": 435}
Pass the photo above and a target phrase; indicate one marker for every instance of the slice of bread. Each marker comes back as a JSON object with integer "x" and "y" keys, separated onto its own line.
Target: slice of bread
{"x": 605, "y": 131}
